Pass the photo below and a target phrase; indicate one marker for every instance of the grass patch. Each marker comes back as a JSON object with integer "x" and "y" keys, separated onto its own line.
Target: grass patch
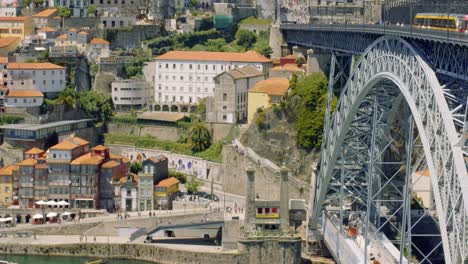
{"x": 256, "y": 21}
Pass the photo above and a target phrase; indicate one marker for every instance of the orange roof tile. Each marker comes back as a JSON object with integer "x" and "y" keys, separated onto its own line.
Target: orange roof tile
{"x": 98, "y": 41}
{"x": 41, "y": 166}
{"x": 47, "y": 29}
{"x": 73, "y": 30}
{"x": 46, "y": 13}
{"x": 119, "y": 157}
{"x": 288, "y": 67}
{"x": 100, "y": 148}
{"x": 7, "y": 171}
{"x": 125, "y": 178}
{"x": 34, "y": 66}
{"x": 3, "y": 88}
{"x": 83, "y": 33}
{"x": 28, "y": 162}
{"x": 290, "y": 56}
{"x": 3, "y": 60}
{"x": 24, "y": 93}
{"x": 110, "y": 164}
{"x": 168, "y": 182}
{"x": 273, "y": 86}
{"x": 423, "y": 173}
{"x": 158, "y": 158}
{"x": 70, "y": 143}
{"x": 87, "y": 159}
{"x": 7, "y": 41}
{"x": 250, "y": 56}
{"x": 63, "y": 36}
{"x": 34, "y": 151}
{"x": 13, "y": 19}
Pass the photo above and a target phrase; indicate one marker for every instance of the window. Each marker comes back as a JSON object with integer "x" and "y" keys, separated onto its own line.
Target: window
{"x": 224, "y": 107}
{"x": 274, "y": 210}
{"x": 267, "y": 210}
{"x": 53, "y": 72}
{"x": 44, "y": 82}
{"x": 190, "y": 66}
{"x": 43, "y": 72}
{"x": 173, "y": 66}
{"x": 181, "y": 78}
{"x": 224, "y": 117}
{"x": 259, "y": 210}
{"x": 224, "y": 96}
{"x": 167, "y": 66}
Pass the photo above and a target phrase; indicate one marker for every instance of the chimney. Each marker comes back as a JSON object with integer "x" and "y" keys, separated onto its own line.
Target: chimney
{"x": 250, "y": 209}
{"x": 284, "y": 199}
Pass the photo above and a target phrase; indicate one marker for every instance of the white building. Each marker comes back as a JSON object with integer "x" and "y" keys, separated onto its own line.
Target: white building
{"x": 97, "y": 48}
{"x": 185, "y": 77}
{"x": 47, "y": 77}
{"x": 129, "y": 194}
{"x": 24, "y": 98}
{"x": 131, "y": 94}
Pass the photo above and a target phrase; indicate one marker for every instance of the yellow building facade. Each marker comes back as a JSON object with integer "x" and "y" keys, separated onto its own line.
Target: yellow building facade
{"x": 16, "y": 27}
{"x": 6, "y": 185}
{"x": 8, "y": 44}
{"x": 264, "y": 94}
{"x": 164, "y": 191}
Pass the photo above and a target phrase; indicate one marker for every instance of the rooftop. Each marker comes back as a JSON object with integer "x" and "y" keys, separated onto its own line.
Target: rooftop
{"x": 244, "y": 72}
{"x": 24, "y": 93}
{"x": 34, "y": 151}
{"x": 34, "y": 66}
{"x": 6, "y": 41}
{"x": 100, "y": 148}
{"x": 70, "y": 143}
{"x": 273, "y": 86}
{"x": 119, "y": 157}
{"x": 3, "y": 60}
{"x": 161, "y": 116}
{"x": 98, "y": 41}
{"x": 47, "y": 29}
{"x": 35, "y": 127}
{"x": 46, "y": 13}
{"x": 83, "y": 33}
{"x": 168, "y": 182}
{"x": 87, "y": 159}
{"x": 63, "y": 36}
{"x": 7, "y": 171}
{"x": 14, "y": 19}
{"x": 110, "y": 164}
{"x": 28, "y": 162}
{"x": 288, "y": 67}
{"x": 158, "y": 158}
{"x": 249, "y": 56}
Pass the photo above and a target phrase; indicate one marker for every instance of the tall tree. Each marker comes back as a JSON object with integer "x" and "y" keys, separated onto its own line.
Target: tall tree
{"x": 199, "y": 138}
{"x": 245, "y": 38}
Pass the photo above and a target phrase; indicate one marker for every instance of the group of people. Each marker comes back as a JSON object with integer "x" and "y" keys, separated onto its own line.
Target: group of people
{"x": 123, "y": 216}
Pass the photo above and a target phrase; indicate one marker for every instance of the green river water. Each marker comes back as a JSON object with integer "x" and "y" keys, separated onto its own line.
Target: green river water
{"x": 63, "y": 260}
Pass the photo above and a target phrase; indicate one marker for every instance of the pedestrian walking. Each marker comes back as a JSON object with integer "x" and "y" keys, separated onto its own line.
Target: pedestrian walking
{"x": 94, "y": 238}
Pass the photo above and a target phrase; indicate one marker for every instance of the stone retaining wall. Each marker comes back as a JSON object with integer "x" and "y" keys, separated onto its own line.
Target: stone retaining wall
{"x": 145, "y": 252}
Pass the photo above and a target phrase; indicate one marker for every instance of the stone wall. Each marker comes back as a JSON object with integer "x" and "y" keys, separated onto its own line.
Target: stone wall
{"x": 161, "y": 132}
{"x": 10, "y": 156}
{"x": 267, "y": 182}
{"x": 145, "y": 252}
{"x": 131, "y": 38}
{"x": 257, "y": 28}
{"x": 266, "y": 250}
{"x": 276, "y": 41}
{"x": 81, "y": 22}
{"x": 266, "y": 8}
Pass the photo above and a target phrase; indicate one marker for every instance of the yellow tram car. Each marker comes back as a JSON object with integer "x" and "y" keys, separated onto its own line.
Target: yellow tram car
{"x": 440, "y": 21}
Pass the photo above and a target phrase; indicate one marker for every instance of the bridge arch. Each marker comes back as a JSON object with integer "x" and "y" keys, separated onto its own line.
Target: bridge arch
{"x": 389, "y": 69}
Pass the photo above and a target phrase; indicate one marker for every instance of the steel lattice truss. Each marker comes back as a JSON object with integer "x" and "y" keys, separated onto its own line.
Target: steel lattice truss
{"x": 389, "y": 72}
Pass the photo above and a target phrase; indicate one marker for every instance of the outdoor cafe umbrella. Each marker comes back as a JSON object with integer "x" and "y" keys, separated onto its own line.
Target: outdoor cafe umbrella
{"x": 38, "y": 216}
{"x": 40, "y": 202}
{"x": 51, "y": 203}
{"x": 63, "y": 203}
{"x": 51, "y": 214}
{"x": 66, "y": 214}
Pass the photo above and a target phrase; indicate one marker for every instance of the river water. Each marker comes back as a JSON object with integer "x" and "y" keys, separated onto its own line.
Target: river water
{"x": 63, "y": 260}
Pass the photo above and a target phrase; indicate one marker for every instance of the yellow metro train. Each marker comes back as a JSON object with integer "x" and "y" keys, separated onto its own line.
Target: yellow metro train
{"x": 440, "y": 21}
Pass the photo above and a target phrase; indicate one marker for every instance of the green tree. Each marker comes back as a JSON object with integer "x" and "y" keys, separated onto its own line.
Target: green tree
{"x": 38, "y": 3}
{"x": 201, "y": 108}
{"x": 179, "y": 175}
{"x": 199, "y": 138}
{"x": 245, "y": 38}
{"x": 215, "y": 44}
{"x": 63, "y": 13}
{"x": 135, "y": 167}
{"x": 206, "y": 23}
{"x": 26, "y": 3}
{"x": 96, "y": 105}
{"x": 300, "y": 60}
{"x": 193, "y": 185}
{"x": 91, "y": 11}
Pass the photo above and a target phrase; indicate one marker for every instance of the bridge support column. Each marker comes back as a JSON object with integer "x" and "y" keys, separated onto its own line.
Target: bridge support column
{"x": 276, "y": 41}
{"x": 284, "y": 199}
{"x": 317, "y": 61}
{"x": 250, "y": 211}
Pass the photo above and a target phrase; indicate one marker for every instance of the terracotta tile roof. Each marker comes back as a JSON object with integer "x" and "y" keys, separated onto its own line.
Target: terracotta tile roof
{"x": 244, "y": 72}
{"x": 100, "y": 148}
{"x": 110, "y": 164}
{"x": 98, "y": 41}
{"x": 125, "y": 178}
{"x": 24, "y": 93}
{"x": 156, "y": 159}
{"x": 119, "y": 157}
{"x": 73, "y": 30}
{"x": 70, "y": 143}
{"x": 34, "y": 151}
{"x": 13, "y": 19}
{"x": 249, "y": 56}
{"x": 168, "y": 182}
{"x": 273, "y": 86}
{"x": 7, "y": 41}
{"x": 83, "y": 33}
{"x": 28, "y": 162}
{"x": 87, "y": 159}
{"x": 34, "y": 66}
{"x": 288, "y": 67}
{"x": 291, "y": 56}
{"x": 8, "y": 170}
{"x": 46, "y": 13}
{"x": 63, "y": 36}
{"x": 47, "y": 29}
{"x": 3, "y": 60}
{"x": 4, "y": 88}
{"x": 41, "y": 167}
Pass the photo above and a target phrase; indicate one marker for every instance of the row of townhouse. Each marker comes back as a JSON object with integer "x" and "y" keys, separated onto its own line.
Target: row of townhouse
{"x": 85, "y": 177}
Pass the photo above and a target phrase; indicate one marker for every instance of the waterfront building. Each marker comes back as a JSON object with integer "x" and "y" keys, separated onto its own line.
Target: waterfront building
{"x": 25, "y": 182}
{"x": 8, "y": 44}
{"x": 23, "y": 98}
{"x": 145, "y": 191}
{"x": 47, "y": 77}
{"x": 156, "y": 166}
{"x": 70, "y": 43}
{"x": 265, "y": 94}
{"x": 46, "y": 18}
{"x": 165, "y": 192}
{"x": 6, "y": 185}
{"x": 126, "y": 193}
{"x": 185, "y": 77}
{"x": 16, "y": 27}
{"x": 131, "y": 94}
{"x": 229, "y": 103}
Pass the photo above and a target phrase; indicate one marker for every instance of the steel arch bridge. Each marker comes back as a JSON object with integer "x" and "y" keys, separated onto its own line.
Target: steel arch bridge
{"x": 394, "y": 78}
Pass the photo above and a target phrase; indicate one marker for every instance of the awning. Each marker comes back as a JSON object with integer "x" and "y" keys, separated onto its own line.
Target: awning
{"x": 51, "y": 214}
{"x": 38, "y": 216}
{"x": 3, "y": 220}
{"x": 40, "y": 202}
